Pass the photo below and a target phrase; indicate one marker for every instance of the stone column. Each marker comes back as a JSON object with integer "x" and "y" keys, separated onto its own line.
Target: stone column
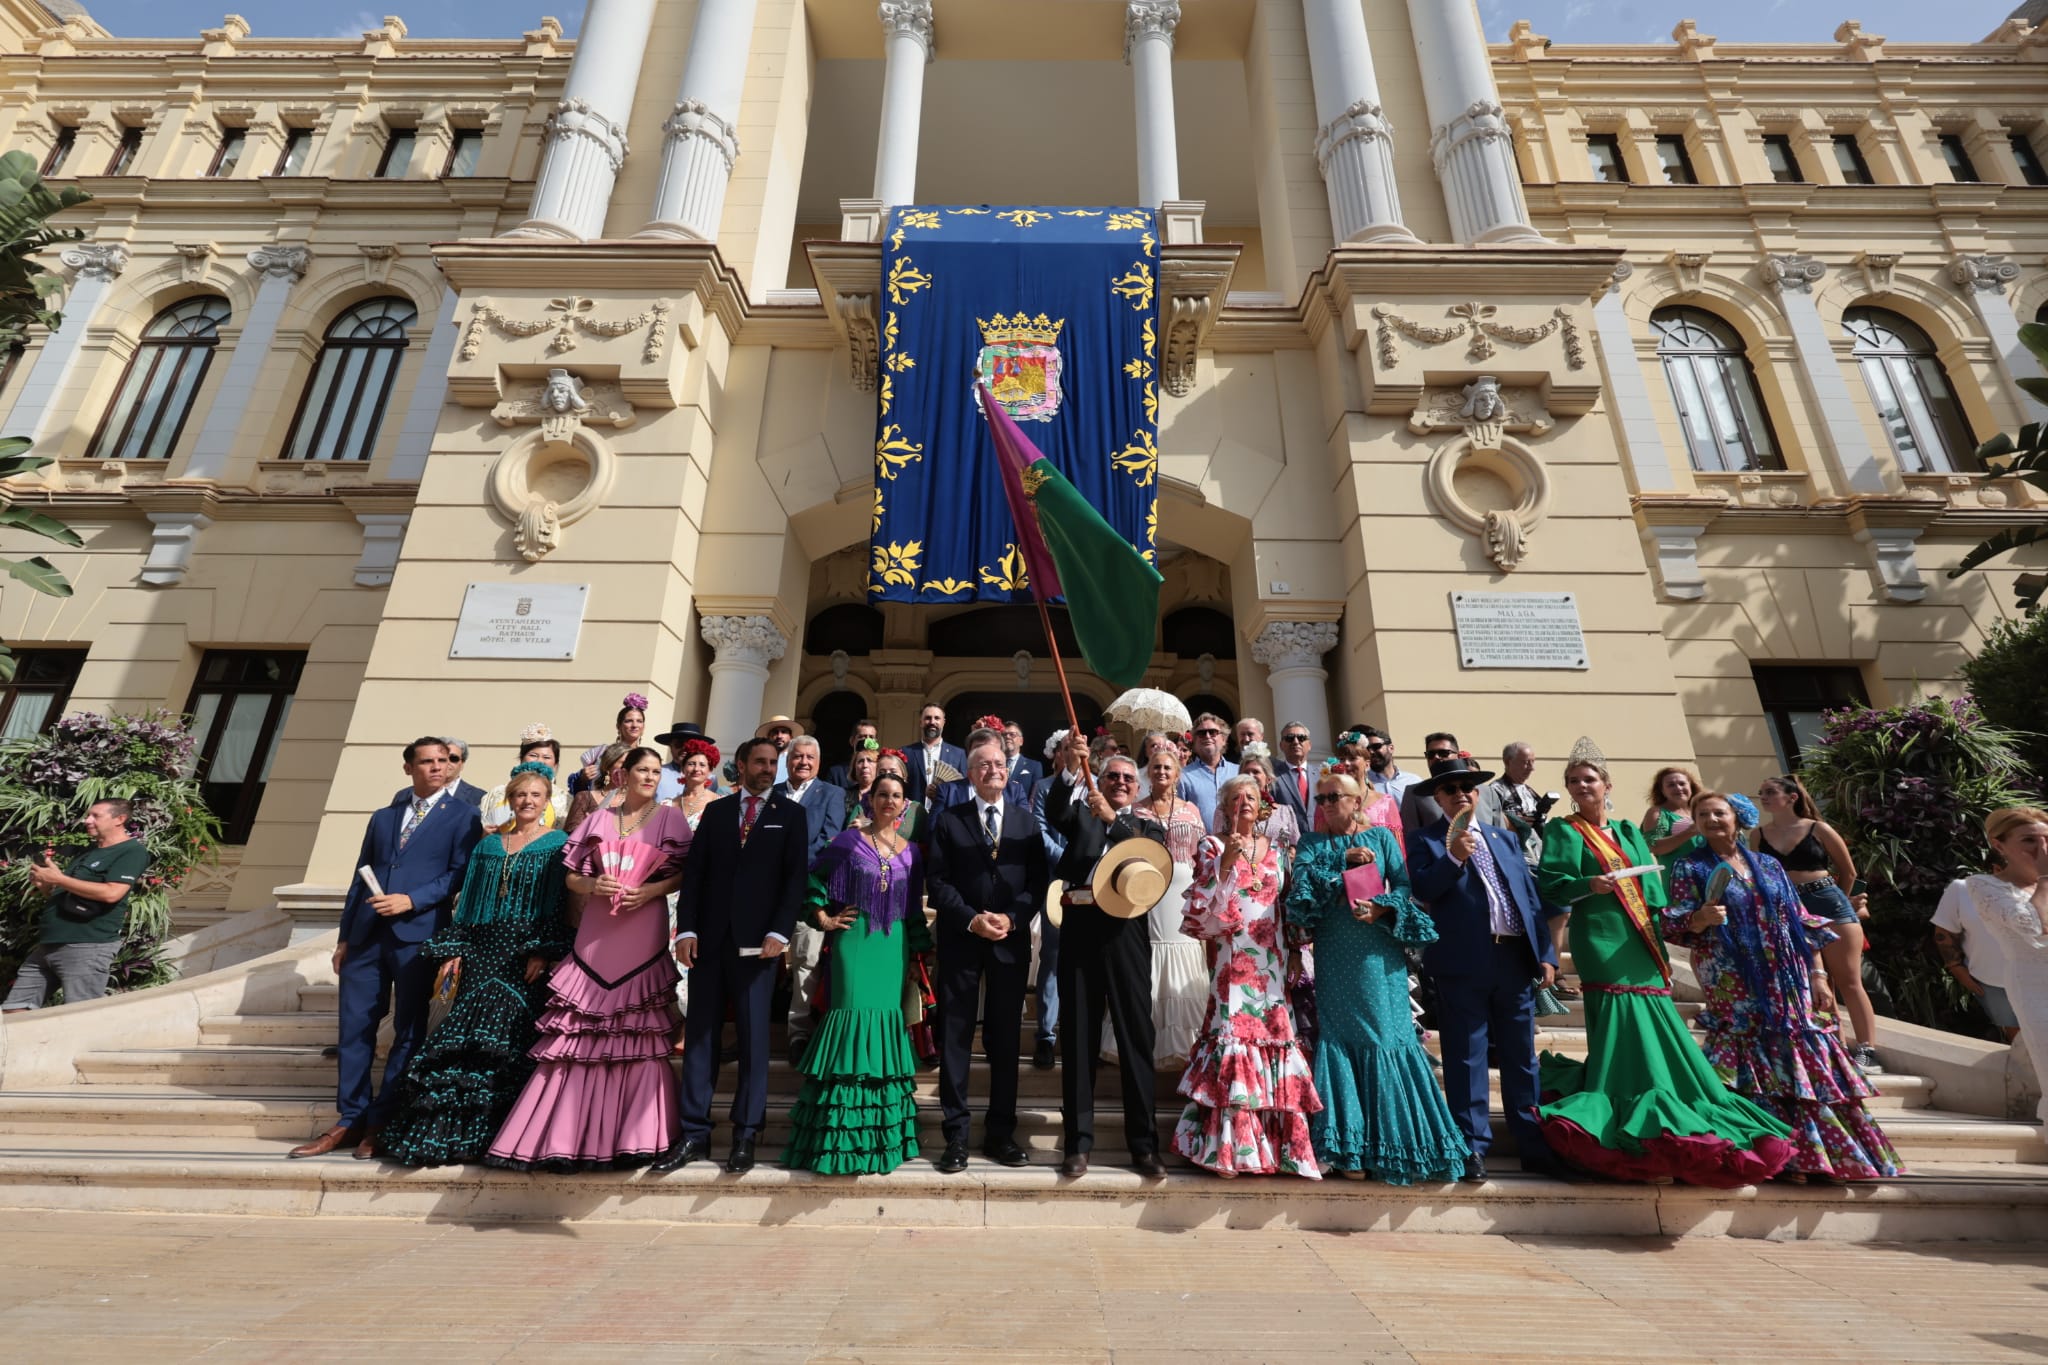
{"x": 35, "y": 411}
{"x": 1292, "y": 652}
{"x": 702, "y": 135}
{"x": 280, "y": 267}
{"x": 1838, "y": 422}
{"x": 1983, "y": 279}
{"x": 907, "y": 39}
{"x": 1469, "y": 139}
{"x": 745, "y": 646}
{"x": 1148, "y": 50}
{"x": 1354, "y": 141}
{"x": 586, "y": 136}
{"x": 1630, "y": 390}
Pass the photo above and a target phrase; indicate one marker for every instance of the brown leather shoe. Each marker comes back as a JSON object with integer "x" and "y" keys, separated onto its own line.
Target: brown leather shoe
{"x": 337, "y": 1136}
{"x": 369, "y": 1149}
{"x": 1075, "y": 1166}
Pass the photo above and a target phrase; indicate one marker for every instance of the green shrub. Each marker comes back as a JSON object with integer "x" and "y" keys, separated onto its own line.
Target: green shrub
{"x": 2009, "y": 682}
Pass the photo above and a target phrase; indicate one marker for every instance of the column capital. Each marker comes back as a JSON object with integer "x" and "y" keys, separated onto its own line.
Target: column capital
{"x": 1294, "y": 644}
{"x": 1792, "y": 273}
{"x": 1982, "y": 274}
{"x": 911, "y": 18}
{"x": 1149, "y": 19}
{"x": 574, "y": 118}
{"x": 1361, "y": 120}
{"x": 102, "y": 261}
{"x": 752, "y": 640}
{"x": 695, "y": 119}
{"x": 286, "y": 263}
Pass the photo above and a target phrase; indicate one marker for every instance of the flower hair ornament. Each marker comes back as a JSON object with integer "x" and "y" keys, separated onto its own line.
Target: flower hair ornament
{"x": 898, "y": 755}
{"x": 633, "y": 701}
{"x": 995, "y": 723}
{"x": 867, "y": 745}
{"x": 535, "y": 733}
{"x": 1052, "y": 744}
{"x": 532, "y": 767}
{"x": 701, "y": 748}
{"x": 1355, "y": 738}
{"x": 1746, "y": 814}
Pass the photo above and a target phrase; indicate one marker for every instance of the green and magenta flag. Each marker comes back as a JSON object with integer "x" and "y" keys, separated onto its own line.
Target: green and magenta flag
{"x": 1070, "y": 551}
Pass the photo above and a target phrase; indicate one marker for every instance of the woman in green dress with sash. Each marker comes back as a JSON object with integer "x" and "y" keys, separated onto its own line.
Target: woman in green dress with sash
{"x": 508, "y": 927}
{"x": 1645, "y": 1104}
{"x": 856, "y": 1113}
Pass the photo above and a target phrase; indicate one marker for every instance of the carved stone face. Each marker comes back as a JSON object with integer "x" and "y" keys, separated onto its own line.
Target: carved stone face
{"x": 561, "y": 393}
{"x": 1483, "y": 400}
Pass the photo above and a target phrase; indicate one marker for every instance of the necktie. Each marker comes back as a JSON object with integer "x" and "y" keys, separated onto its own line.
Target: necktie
{"x": 419, "y": 811}
{"x": 747, "y": 824}
{"x": 1302, "y": 773}
{"x": 988, "y": 824}
{"x": 1498, "y": 903}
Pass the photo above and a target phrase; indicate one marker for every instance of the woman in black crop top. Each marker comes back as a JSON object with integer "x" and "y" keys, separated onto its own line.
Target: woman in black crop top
{"x": 1819, "y": 864}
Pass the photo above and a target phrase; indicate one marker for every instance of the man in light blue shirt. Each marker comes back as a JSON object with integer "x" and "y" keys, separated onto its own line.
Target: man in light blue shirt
{"x": 1208, "y": 770}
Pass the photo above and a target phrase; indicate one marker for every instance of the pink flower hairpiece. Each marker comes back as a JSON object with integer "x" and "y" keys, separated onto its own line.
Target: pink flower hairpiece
{"x": 634, "y": 701}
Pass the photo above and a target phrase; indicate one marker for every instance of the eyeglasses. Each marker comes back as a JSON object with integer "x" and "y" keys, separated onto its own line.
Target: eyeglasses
{"x": 1117, "y": 779}
{"x": 1458, "y": 789}
{"x": 1439, "y": 754}
{"x": 1207, "y": 731}
{"x": 1294, "y": 739}
{"x": 987, "y": 765}
{"x": 1375, "y": 746}
{"x": 1331, "y": 798}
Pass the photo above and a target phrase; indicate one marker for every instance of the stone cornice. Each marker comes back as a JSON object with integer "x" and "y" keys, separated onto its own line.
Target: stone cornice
{"x": 640, "y": 267}
{"x": 216, "y": 502}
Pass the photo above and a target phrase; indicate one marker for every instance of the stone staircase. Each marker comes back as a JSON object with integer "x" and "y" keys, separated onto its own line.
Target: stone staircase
{"x": 208, "y": 1121}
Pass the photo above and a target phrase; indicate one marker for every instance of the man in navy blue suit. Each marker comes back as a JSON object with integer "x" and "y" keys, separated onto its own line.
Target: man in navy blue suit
{"x": 985, "y": 880}
{"x": 922, "y": 760}
{"x": 1016, "y": 789}
{"x": 417, "y": 851}
{"x": 825, "y": 812}
{"x": 743, "y": 885}
{"x": 1023, "y": 768}
{"x": 1493, "y": 944}
{"x": 1294, "y": 777}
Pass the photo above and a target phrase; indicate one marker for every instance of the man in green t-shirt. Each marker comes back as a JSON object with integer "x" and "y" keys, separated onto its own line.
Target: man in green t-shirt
{"x": 83, "y": 920}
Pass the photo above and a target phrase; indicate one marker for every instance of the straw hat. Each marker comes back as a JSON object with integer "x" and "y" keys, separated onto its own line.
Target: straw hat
{"x": 778, "y": 723}
{"x": 1131, "y": 878}
{"x": 1054, "y": 911}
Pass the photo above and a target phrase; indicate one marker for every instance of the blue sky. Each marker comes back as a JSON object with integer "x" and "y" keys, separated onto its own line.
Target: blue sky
{"x": 1583, "y": 21}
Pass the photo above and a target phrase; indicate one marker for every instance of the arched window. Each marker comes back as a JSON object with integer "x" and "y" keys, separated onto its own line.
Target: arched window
{"x": 343, "y": 405}
{"x": 1911, "y": 391}
{"x": 1726, "y": 427}
{"x": 157, "y": 388}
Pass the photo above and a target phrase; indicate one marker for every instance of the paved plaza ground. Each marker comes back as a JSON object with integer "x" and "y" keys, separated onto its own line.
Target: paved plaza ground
{"x": 148, "y": 1290}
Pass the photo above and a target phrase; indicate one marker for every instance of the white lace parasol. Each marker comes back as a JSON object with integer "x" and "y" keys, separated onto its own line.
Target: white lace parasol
{"x": 1147, "y": 708}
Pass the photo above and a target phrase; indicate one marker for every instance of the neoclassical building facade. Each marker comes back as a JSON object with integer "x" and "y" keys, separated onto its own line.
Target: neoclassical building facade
{"x": 1460, "y": 345}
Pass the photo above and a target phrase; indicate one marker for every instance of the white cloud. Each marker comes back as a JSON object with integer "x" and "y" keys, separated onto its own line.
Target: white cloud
{"x": 363, "y": 22}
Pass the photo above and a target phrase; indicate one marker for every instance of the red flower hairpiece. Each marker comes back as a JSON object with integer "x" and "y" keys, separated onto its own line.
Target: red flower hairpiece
{"x": 896, "y": 754}
{"x": 995, "y": 723}
{"x": 694, "y": 747}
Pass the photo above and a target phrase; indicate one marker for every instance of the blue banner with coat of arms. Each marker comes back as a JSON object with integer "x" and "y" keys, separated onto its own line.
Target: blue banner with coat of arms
{"x": 1056, "y": 310}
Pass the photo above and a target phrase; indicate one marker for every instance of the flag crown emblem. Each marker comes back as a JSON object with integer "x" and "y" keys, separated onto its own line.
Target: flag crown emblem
{"x": 1020, "y": 330}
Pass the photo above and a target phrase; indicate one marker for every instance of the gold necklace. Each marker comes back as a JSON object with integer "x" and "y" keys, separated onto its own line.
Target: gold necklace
{"x": 626, "y": 830}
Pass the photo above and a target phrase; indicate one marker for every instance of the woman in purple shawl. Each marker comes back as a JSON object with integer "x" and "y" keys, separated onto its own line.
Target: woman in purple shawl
{"x": 857, "y": 1111}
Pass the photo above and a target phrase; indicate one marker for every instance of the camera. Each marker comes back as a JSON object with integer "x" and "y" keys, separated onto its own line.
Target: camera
{"x": 1544, "y": 803}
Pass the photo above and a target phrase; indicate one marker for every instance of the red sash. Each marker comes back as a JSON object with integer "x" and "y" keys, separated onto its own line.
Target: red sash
{"x": 1607, "y": 852}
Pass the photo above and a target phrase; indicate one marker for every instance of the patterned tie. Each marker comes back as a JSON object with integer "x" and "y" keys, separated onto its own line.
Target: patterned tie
{"x": 419, "y": 811}
{"x": 747, "y": 823}
{"x": 988, "y": 824}
{"x": 1499, "y": 905}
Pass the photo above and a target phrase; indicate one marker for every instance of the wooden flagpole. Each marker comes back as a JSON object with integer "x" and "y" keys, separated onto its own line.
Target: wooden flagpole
{"x": 1052, "y": 642}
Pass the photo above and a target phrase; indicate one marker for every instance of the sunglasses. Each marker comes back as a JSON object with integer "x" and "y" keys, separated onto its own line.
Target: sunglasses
{"x": 1294, "y": 739}
{"x": 1116, "y": 779}
{"x": 1200, "y": 733}
{"x": 1458, "y": 788}
{"x": 1331, "y": 798}
{"x": 1375, "y": 747}
{"x": 1440, "y": 753}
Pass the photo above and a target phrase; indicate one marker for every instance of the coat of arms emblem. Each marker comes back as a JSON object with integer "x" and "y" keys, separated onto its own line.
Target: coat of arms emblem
{"x": 1020, "y": 363}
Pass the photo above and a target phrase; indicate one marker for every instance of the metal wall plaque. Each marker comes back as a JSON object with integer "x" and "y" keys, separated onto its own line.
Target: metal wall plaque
{"x": 1519, "y": 630}
{"x": 520, "y": 621}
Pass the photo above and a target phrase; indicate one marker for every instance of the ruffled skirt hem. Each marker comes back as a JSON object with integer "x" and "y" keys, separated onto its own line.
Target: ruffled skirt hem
{"x": 1239, "y": 1141}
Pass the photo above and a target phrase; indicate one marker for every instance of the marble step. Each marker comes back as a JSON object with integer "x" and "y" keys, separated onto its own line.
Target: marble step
{"x": 1943, "y": 1201}
{"x": 300, "y": 1111}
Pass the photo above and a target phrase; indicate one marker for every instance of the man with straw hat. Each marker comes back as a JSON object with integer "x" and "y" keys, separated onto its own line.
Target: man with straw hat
{"x": 1114, "y": 870}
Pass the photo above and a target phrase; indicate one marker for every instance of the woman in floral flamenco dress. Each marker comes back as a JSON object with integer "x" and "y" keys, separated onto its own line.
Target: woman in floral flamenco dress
{"x": 857, "y": 1111}
{"x": 1756, "y": 951}
{"x": 1248, "y": 1082}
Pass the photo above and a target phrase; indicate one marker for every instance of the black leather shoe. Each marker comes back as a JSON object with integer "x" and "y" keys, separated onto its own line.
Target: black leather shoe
{"x": 1148, "y": 1165}
{"x": 953, "y": 1160}
{"x": 1005, "y": 1153}
{"x": 1042, "y": 1055}
{"x": 1475, "y": 1171}
{"x": 681, "y": 1155}
{"x": 1075, "y": 1166}
{"x": 742, "y": 1159}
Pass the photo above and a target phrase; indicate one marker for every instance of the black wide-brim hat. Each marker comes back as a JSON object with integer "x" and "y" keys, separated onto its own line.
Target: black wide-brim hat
{"x": 1444, "y": 769}
{"x": 680, "y": 731}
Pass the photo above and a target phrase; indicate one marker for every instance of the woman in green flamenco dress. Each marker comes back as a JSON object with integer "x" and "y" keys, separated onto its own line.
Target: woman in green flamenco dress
{"x": 507, "y": 929}
{"x": 856, "y": 1113}
{"x": 1646, "y": 1104}
{"x": 1383, "y": 1115}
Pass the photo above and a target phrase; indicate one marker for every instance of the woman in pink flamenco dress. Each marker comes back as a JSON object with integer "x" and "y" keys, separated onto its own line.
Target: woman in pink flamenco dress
{"x": 1249, "y": 1085}
{"x": 603, "y": 1096}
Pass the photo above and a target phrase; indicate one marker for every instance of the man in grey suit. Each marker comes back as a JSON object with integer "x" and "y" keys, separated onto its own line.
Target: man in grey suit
{"x": 825, "y": 814}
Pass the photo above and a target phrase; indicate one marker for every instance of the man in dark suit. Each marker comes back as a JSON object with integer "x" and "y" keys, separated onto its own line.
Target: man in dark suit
{"x": 862, "y": 729}
{"x": 1294, "y": 777}
{"x": 825, "y": 814}
{"x": 922, "y": 759}
{"x": 1493, "y": 944}
{"x": 1105, "y": 963}
{"x": 947, "y": 795}
{"x": 417, "y": 851}
{"x": 1024, "y": 770}
{"x": 986, "y": 878}
{"x": 743, "y": 884}
{"x": 468, "y": 793}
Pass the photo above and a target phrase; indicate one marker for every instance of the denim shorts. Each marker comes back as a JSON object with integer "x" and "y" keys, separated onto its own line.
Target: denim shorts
{"x": 1998, "y": 1006}
{"x": 1826, "y": 899}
